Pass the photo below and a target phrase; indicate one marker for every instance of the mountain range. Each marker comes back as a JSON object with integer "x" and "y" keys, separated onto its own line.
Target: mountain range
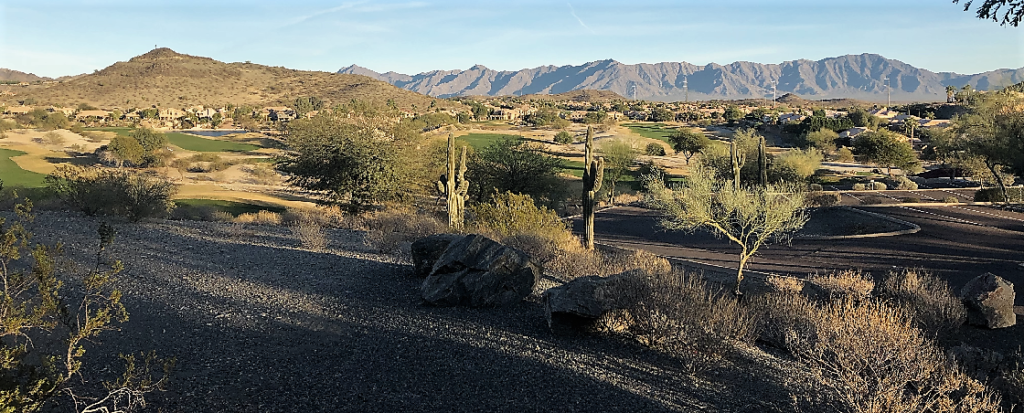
{"x": 851, "y": 76}
{"x": 8, "y": 75}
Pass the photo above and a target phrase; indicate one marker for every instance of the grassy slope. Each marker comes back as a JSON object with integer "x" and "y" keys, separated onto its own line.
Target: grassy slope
{"x": 13, "y": 175}
{"x": 651, "y": 130}
{"x": 480, "y": 140}
{"x": 192, "y": 142}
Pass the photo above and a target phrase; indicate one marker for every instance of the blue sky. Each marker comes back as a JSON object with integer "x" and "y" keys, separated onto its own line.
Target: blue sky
{"x": 56, "y": 38}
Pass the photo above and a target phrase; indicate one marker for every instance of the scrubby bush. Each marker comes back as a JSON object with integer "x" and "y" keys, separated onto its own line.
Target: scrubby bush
{"x": 815, "y": 187}
{"x": 851, "y": 284}
{"x": 951, "y": 200}
{"x": 823, "y": 199}
{"x": 654, "y": 149}
{"x": 392, "y": 230}
{"x": 784, "y": 319}
{"x": 994, "y": 194}
{"x": 935, "y": 309}
{"x": 112, "y": 192}
{"x": 516, "y": 220}
{"x": 783, "y": 284}
{"x": 910, "y": 200}
{"x": 261, "y": 217}
{"x": 903, "y": 183}
{"x": 563, "y": 137}
{"x": 678, "y": 313}
{"x": 877, "y": 186}
{"x": 859, "y": 187}
{"x": 310, "y": 234}
{"x": 844, "y": 154}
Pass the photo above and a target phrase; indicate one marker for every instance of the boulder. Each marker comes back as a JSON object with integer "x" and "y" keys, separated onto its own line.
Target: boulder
{"x": 989, "y": 301}
{"x": 578, "y": 304}
{"x": 476, "y": 271}
{"x": 426, "y": 251}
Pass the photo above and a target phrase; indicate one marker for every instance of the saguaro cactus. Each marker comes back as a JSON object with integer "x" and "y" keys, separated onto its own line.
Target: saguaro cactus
{"x": 738, "y": 159}
{"x": 454, "y": 186}
{"x": 762, "y": 162}
{"x": 593, "y": 175}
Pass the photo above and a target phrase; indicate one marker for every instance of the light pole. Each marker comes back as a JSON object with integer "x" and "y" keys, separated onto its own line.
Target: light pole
{"x": 888, "y": 90}
{"x": 686, "y": 90}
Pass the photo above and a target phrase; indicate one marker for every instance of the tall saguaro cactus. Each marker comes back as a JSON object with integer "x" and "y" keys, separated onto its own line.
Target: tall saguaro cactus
{"x": 593, "y": 175}
{"x": 738, "y": 159}
{"x": 762, "y": 162}
{"x": 454, "y": 186}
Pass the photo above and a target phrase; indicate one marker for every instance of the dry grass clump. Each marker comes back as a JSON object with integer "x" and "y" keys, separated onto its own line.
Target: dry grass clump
{"x": 327, "y": 216}
{"x": 785, "y": 320}
{"x": 871, "y": 359}
{"x": 311, "y": 234}
{"x": 392, "y": 230}
{"x": 678, "y": 313}
{"x": 262, "y": 217}
{"x": 847, "y": 283}
{"x": 784, "y": 284}
{"x": 935, "y": 309}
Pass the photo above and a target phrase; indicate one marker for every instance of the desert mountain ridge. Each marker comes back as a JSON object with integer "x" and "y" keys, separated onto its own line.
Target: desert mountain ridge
{"x": 165, "y": 78}
{"x": 851, "y": 76}
{"x": 10, "y": 75}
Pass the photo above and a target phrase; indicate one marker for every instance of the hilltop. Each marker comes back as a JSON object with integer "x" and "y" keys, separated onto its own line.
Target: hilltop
{"x": 8, "y": 75}
{"x": 851, "y": 76}
{"x": 165, "y": 78}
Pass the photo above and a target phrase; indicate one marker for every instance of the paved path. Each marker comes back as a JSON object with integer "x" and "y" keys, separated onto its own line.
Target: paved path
{"x": 956, "y": 243}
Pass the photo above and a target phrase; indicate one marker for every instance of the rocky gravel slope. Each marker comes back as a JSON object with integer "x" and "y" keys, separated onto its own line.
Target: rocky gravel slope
{"x": 259, "y": 324}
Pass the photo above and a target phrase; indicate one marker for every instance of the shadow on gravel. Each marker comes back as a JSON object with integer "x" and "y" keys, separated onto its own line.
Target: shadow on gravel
{"x": 272, "y": 328}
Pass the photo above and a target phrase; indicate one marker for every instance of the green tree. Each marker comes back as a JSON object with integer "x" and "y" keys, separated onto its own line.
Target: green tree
{"x": 888, "y": 150}
{"x": 824, "y": 140}
{"x": 348, "y": 162}
{"x": 992, "y": 131}
{"x": 732, "y": 114}
{"x": 150, "y": 139}
{"x": 514, "y": 165}
{"x": 689, "y": 142}
{"x": 126, "y": 149}
{"x": 950, "y": 92}
{"x": 750, "y": 217}
{"x": 619, "y": 157}
{"x": 654, "y": 149}
{"x": 795, "y": 165}
{"x": 910, "y": 125}
{"x": 1004, "y": 12}
{"x": 662, "y": 115}
{"x": 563, "y": 137}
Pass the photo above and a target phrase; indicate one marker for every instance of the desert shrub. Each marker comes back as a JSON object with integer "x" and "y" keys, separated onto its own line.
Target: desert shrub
{"x": 877, "y": 186}
{"x": 910, "y": 200}
{"x": 112, "y": 192}
{"x": 815, "y": 187}
{"x": 935, "y": 309}
{"x": 904, "y": 183}
{"x": 844, "y": 284}
{"x": 263, "y": 174}
{"x": 994, "y": 194}
{"x": 873, "y": 200}
{"x": 563, "y": 138}
{"x": 823, "y": 199}
{"x": 844, "y": 154}
{"x": 511, "y": 214}
{"x": 951, "y": 200}
{"x": 53, "y": 138}
{"x": 310, "y": 234}
{"x": 859, "y": 187}
{"x": 784, "y": 319}
{"x": 197, "y": 213}
{"x": 795, "y": 165}
{"x": 782, "y": 284}
{"x": 869, "y": 357}
{"x": 654, "y": 149}
{"x": 262, "y": 217}
{"x": 392, "y": 230}
{"x": 326, "y": 216}
{"x": 677, "y": 313}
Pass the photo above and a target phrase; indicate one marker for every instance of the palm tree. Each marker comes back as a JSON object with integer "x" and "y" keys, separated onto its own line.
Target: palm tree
{"x": 967, "y": 89}
{"x": 910, "y": 124}
{"x": 950, "y": 92}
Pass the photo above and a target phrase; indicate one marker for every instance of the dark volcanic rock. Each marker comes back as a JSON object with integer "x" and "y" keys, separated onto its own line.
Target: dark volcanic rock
{"x": 476, "y": 271}
{"x": 989, "y": 301}
{"x": 578, "y": 304}
{"x": 426, "y": 251}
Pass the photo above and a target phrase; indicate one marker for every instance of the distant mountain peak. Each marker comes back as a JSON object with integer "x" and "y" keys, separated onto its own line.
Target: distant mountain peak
{"x": 161, "y": 53}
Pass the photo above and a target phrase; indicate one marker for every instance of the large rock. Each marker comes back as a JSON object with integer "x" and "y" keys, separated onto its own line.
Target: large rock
{"x": 476, "y": 271}
{"x": 989, "y": 301}
{"x": 426, "y": 251}
{"x": 580, "y": 303}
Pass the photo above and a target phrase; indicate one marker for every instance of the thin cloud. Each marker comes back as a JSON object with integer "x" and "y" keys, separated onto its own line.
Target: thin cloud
{"x": 573, "y": 13}
{"x": 318, "y": 13}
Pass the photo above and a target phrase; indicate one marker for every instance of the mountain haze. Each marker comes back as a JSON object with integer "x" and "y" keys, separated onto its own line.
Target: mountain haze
{"x": 851, "y": 76}
{"x": 166, "y": 78}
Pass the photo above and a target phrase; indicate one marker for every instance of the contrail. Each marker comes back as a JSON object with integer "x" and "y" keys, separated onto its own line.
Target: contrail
{"x": 573, "y": 13}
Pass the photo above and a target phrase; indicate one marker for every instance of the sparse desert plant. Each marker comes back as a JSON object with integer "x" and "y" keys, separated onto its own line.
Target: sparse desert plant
{"x": 859, "y": 187}
{"x": 676, "y": 312}
{"x": 871, "y": 359}
{"x": 951, "y": 200}
{"x": 873, "y": 200}
{"x": 784, "y": 284}
{"x": 563, "y": 137}
{"x": 392, "y": 230}
{"x": 264, "y": 174}
{"x": 261, "y": 217}
{"x": 654, "y": 149}
{"x": 53, "y": 138}
{"x": 904, "y": 183}
{"x": 112, "y": 192}
{"x": 330, "y": 216}
{"x": 823, "y": 199}
{"x": 310, "y": 234}
{"x": 910, "y": 200}
{"x": 935, "y": 309}
{"x": 815, "y": 187}
{"x": 844, "y": 284}
{"x": 877, "y": 186}
{"x": 784, "y": 319}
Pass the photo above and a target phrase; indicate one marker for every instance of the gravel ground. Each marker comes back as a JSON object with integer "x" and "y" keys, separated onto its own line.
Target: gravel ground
{"x": 259, "y": 324}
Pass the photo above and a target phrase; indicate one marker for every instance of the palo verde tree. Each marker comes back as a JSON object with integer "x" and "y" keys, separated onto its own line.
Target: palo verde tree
{"x": 514, "y": 165}
{"x": 749, "y": 216}
{"x": 619, "y": 157}
{"x": 992, "y": 131}
{"x": 888, "y": 150}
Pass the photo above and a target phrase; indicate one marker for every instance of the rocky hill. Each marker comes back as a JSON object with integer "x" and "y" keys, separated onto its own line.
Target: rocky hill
{"x": 165, "y": 78}
{"x": 8, "y": 75}
{"x": 851, "y": 76}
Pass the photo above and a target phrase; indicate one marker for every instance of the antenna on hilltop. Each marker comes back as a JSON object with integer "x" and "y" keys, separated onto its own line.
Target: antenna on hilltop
{"x": 686, "y": 89}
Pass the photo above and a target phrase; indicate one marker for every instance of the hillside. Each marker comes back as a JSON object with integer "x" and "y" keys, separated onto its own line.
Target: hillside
{"x": 8, "y": 75}
{"x": 851, "y": 76}
{"x": 165, "y": 78}
{"x": 586, "y": 95}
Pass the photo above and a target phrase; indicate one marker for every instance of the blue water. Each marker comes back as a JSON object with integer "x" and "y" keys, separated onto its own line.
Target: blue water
{"x": 213, "y": 133}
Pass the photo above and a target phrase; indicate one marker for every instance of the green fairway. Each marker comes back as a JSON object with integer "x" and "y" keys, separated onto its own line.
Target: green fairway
{"x": 481, "y": 140}
{"x": 191, "y": 142}
{"x": 574, "y": 168}
{"x": 13, "y": 175}
{"x": 651, "y": 130}
{"x": 231, "y": 207}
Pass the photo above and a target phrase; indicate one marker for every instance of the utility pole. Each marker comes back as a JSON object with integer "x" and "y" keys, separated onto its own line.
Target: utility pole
{"x": 686, "y": 89}
{"x": 775, "y": 87}
{"x": 888, "y": 90}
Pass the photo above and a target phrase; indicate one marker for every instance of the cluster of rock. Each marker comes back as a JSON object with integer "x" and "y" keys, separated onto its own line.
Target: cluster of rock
{"x": 475, "y": 271}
